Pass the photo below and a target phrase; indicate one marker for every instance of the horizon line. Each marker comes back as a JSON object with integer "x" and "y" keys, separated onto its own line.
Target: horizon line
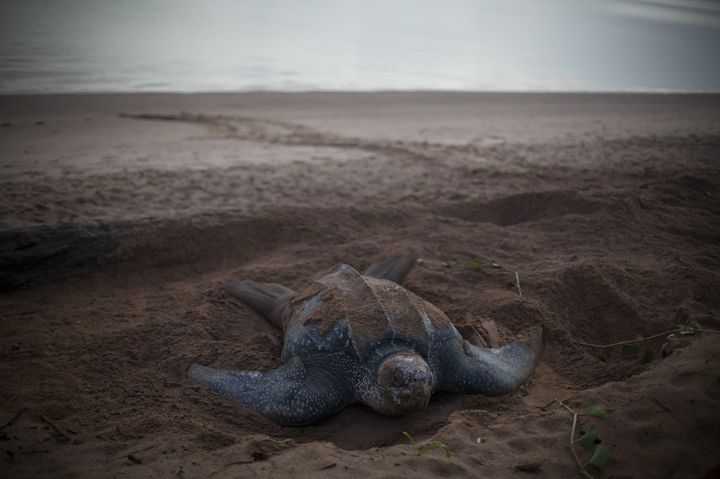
{"x": 367, "y": 91}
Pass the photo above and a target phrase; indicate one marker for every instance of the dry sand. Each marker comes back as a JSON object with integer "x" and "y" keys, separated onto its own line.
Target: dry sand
{"x": 121, "y": 215}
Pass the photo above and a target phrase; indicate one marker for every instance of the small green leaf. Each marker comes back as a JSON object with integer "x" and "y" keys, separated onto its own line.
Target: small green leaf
{"x": 410, "y": 438}
{"x": 600, "y": 456}
{"x": 511, "y": 286}
{"x": 434, "y": 445}
{"x": 596, "y": 410}
{"x": 589, "y": 437}
{"x": 474, "y": 265}
{"x": 691, "y": 329}
{"x": 427, "y": 448}
{"x": 630, "y": 349}
{"x": 647, "y": 356}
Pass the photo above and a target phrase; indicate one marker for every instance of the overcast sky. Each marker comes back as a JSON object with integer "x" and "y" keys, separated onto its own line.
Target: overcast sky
{"x": 184, "y": 45}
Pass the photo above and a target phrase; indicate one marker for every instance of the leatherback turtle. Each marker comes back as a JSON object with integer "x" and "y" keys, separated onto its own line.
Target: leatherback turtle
{"x": 352, "y": 337}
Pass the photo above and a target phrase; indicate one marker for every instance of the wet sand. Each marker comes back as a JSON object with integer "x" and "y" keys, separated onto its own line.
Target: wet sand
{"x": 122, "y": 215}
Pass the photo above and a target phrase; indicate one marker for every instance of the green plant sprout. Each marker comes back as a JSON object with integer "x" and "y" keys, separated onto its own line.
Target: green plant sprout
{"x": 427, "y": 447}
{"x": 632, "y": 346}
{"x": 474, "y": 265}
{"x": 638, "y": 346}
{"x": 601, "y": 453}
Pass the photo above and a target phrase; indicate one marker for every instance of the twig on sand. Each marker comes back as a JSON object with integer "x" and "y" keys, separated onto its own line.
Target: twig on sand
{"x": 571, "y": 443}
{"x": 554, "y": 401}
{"x": 14, "y": 418}
{"x": 133, "y": 453}
{"x": 517, "y": 283}
{"x": 57, "y": 430}
{"x": 143, "y": 449}
{"x": 646, "y": 338}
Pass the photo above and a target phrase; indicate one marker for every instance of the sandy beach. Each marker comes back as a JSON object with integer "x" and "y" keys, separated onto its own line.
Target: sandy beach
{"x": 122, "y": 215}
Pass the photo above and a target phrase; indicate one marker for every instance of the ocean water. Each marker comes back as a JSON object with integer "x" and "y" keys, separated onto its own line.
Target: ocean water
{"x": 223, "y": 45}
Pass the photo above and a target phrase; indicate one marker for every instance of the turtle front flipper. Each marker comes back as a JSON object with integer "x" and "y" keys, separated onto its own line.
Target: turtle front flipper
{"x": 395, "y": 269}
{"x": 492, "y": 372}
{"x": 290, "y": 395}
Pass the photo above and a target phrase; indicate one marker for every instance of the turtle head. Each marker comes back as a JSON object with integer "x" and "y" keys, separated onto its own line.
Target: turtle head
{"x": 406, "y": 384}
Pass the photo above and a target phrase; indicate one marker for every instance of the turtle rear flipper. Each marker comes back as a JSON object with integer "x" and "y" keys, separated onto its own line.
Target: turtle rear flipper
{"x": 492, "y": 372}
{"x": 268, "y": 299}
{"x": 294, "y": 394}
{"x": 395, "y": 269}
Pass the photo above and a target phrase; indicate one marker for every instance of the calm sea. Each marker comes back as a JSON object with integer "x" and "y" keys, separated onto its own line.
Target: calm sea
{"x": 223, "y": 45}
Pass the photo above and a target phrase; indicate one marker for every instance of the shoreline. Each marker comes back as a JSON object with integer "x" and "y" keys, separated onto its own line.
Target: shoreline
{"x": 362, "y": 92}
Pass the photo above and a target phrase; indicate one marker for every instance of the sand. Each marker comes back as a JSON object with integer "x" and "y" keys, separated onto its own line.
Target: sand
{"x": 121, "y": 216}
